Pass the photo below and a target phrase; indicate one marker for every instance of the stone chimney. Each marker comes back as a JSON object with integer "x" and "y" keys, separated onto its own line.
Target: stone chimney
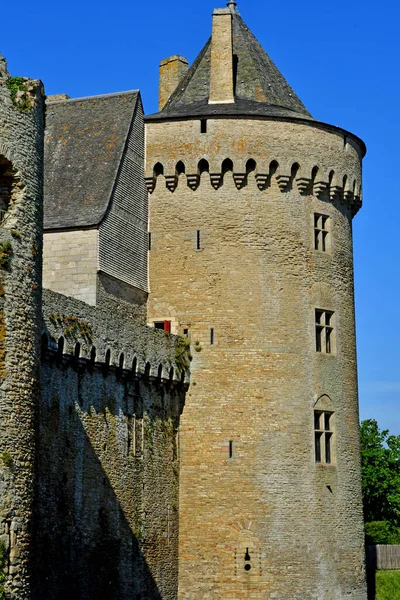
{"x": 172, "y": 70}
{"x": 221, "y": 79}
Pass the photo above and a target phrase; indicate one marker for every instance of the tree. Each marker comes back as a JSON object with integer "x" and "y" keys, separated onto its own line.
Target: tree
{"x": 380, "y": 469}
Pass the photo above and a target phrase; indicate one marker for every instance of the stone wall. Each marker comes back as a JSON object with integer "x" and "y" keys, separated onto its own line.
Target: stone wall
{"x": 107, "y": 491}
{"x": 70, "y": 263}
{"x": 237, "y": 268}
{"x": 21, "y": 161}
{"x": 114, "y": 295}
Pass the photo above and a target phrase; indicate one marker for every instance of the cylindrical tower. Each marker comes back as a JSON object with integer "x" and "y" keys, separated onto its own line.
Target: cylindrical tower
{"x": 251, "y": 209}
{"x": 21, "y": 160}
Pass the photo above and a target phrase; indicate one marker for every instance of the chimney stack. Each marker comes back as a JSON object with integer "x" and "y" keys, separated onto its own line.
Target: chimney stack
{"x": 221, "y": 79}
{"x": 172, "y": 70}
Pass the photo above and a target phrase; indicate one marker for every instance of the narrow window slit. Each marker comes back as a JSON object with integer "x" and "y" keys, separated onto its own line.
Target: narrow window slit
{"x": 212, "y": 336}
{"x": 230, "y": 449}
{"x": 203, "y": 126}
{"x": 198, "y": 239}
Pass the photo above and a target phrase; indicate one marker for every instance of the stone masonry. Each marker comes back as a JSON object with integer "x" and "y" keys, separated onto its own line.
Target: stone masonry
{"x": 106, "y": 505}
{"x": 70, "y": 260}
{"x": 213, "y": 453}
{"x": 21, "y": 161}
{"x": 90, "y": 398}
{"x": 242, "y": 186}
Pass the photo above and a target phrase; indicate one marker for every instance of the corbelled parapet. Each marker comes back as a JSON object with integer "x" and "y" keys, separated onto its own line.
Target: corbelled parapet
{"x": 21, "y": 176}
{"x": 330, "y": 169}
{"x": 314, "y": 182}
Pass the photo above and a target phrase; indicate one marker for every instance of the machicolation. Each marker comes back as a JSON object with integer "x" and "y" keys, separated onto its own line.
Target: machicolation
{"x": 321, "y": 183}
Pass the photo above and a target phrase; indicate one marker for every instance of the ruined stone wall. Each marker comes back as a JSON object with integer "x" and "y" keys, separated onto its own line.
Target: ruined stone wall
{"x": 107, "y": 491}
{"x": 21, "y": 160}
{"x": 233, "y": 261}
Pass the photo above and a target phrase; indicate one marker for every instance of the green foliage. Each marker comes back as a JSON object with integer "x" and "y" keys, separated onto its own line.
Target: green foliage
{"x": 3, "y": 558}
{"x": 197, "y": 346}
{"x": 380, "y": 469}
{"x": 23, "y": 101}
{"x": 15, "y": 233}
{"x": 72, "y": 326}
{"x": 182, "y": 354}
{"x": 148, "y": 432}
{"x": 387, "y": 585}
{"x": 5, "y": 254}
{"x": 6, "y": 459}
{"x": 381, "y": 532}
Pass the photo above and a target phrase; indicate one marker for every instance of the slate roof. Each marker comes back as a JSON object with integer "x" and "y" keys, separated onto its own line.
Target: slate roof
{"x": 260, "y": 89}
{"x": 84, "y": 143}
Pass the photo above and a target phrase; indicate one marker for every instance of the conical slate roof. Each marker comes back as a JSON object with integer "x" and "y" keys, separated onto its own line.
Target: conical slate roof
{"x": 259, "y": 87}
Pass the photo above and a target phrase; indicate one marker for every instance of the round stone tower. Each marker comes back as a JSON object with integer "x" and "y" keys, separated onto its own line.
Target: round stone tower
{"x": 21, "y": 160}
{"x": 251, "y": 257}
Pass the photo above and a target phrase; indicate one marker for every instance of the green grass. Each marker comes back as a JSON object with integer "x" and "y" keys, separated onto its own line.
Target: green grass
{"x": 387, "y": 585}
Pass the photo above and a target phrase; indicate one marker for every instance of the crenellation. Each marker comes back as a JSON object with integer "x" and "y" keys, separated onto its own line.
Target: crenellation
{"x": 77, "y": 357}
{"x": 99, "y": 335}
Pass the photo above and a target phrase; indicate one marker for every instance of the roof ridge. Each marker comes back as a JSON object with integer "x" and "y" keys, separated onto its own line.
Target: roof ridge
{"x": 95, "y": 97}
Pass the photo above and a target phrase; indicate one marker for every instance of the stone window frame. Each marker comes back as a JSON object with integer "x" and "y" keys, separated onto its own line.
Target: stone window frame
{"x": 324, "y": 436}
{"x": 325, "y": 331}
{"x": 322, "y": 233}
{"x": 174, "y": 330}
{"x": 163, "y": 325}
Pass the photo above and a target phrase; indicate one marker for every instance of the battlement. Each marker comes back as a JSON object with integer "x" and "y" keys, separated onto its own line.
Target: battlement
{"x": 88, "y": 338}
{"x": 332, "y": 185}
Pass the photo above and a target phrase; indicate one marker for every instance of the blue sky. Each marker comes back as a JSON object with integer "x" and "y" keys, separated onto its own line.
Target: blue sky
{"x": 341, "y": 58}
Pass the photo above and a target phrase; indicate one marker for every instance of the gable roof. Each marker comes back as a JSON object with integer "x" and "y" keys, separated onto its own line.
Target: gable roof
{"x": 84, "y": 143}
{"x": 260, "y": 88}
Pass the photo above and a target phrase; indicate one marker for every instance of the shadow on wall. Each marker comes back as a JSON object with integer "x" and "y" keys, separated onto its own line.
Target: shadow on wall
{"x": 106, "y": 512}
{"x": 371, "y": 556}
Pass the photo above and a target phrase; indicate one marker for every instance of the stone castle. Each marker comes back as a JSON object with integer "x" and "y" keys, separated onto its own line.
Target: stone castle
{"x": 178, "y": 391}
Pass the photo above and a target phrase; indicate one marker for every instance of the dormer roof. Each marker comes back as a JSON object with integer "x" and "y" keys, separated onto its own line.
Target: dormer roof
{"x": 258, "y": 86}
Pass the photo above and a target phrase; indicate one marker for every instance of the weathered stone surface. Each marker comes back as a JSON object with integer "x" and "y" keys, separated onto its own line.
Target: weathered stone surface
{"x": 93, "y": 444}
{"x": 21, "y": 176}
{"x": 107, "y": 492}
{"x": 247, "y": 294}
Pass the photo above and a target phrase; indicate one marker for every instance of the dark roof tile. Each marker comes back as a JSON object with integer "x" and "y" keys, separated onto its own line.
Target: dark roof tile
{"x": 258, "y": 82}
{"x": 84, "y": 143}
